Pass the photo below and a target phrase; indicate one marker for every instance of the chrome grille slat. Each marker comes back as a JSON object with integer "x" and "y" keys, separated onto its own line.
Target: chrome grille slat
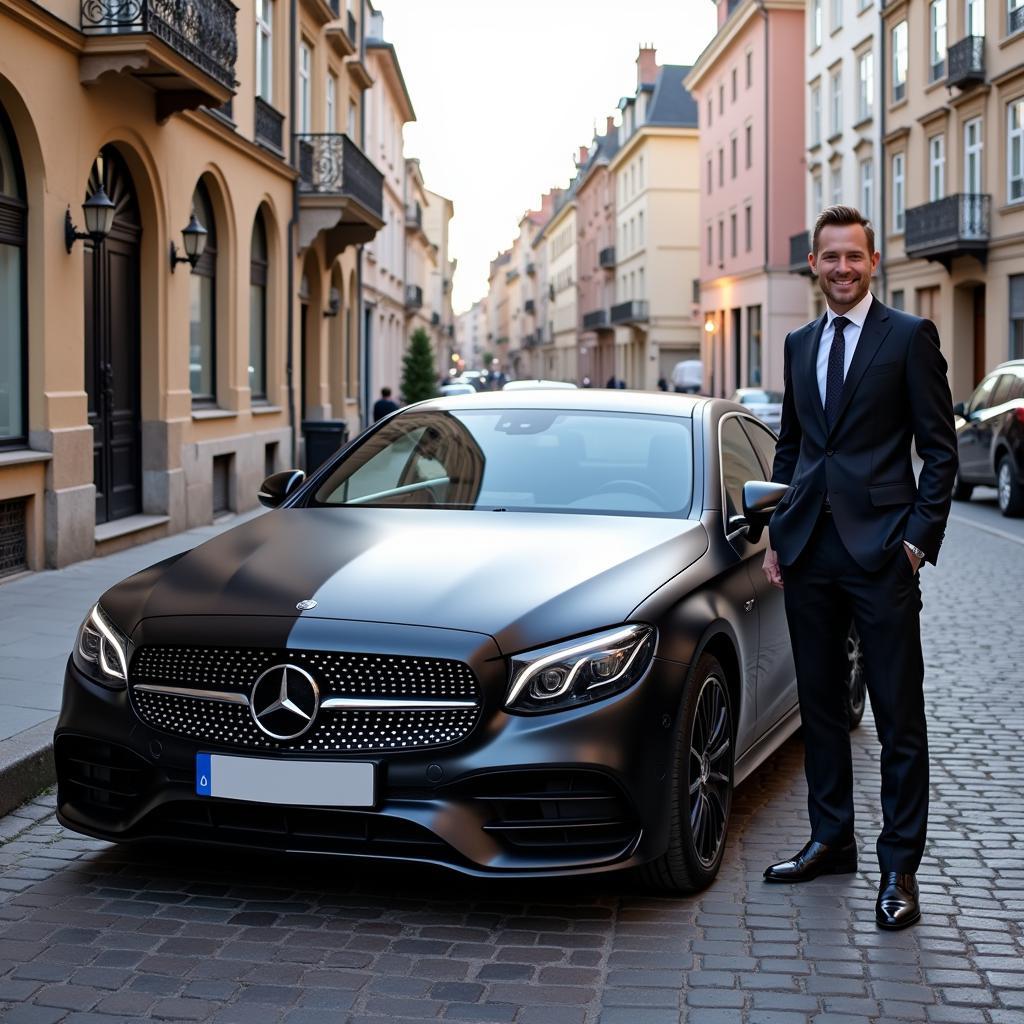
{"x": 370, "y": 702}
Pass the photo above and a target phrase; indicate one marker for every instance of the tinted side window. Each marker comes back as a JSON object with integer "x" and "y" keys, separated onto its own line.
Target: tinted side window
{"x": 980, "y": 398}
{"x": 1003, "y": 390}
{"x": 739, "y": 464}
{"x": 764, "y": 444}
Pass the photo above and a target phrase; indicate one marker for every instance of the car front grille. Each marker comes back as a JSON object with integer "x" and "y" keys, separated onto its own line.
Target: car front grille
{"x": 202, "y": 693}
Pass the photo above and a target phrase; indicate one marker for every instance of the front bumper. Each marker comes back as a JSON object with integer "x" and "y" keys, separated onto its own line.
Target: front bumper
{"x": 564, "y": 793}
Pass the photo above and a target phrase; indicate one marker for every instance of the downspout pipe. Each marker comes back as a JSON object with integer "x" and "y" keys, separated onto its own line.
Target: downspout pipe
{"x": 364, "y": 340}
{"x": 880, "y": 227}
{"x": 292, "y": 228}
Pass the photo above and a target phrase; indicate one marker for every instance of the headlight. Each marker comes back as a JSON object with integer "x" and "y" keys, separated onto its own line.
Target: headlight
{"x": 580, "y": 671}
{"x": 101, "y": 650}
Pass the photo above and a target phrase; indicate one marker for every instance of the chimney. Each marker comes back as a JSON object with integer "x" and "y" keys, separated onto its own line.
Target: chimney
{"x": 609, "y": 126}
{"x": 581, "y": 159}
{"x": 646, "y": 66}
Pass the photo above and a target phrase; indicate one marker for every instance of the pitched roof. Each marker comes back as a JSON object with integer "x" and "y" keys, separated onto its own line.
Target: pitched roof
{"x": 672, "y": 102}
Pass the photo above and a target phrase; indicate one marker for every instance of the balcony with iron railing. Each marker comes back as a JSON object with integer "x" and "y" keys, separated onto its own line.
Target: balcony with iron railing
{"x": 269, "y": 126}
{"x": 529, "y": 307}
{"x": 184, "y": 49}
{"x": 1015, "y": 20}
{"x": 799, "y": 247}
{"x": 966, "y": 61}
{"x": 413, "y": 297}
{"x": 595, "y": 319}
{"x": 606, "y": 258}
{"x": 947, "y": 228}
{"x": 633, "y": 312}
{"x": 340, "y": 191}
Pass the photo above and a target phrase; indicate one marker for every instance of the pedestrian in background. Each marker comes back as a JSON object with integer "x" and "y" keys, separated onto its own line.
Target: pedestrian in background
{"x": 384, "y": 405}
{"x": 847, "y": 541}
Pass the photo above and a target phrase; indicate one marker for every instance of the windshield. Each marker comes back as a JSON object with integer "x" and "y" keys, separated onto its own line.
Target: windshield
{"x": 542, "y": 460}
{"x": 761, "y": 398}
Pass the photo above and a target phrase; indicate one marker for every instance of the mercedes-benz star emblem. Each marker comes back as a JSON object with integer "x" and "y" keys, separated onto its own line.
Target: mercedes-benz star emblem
{"x": 305, "y": 606}
{"x": 284, "y": 701}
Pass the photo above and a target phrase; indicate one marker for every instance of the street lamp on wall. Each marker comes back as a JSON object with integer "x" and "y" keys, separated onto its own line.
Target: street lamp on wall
{"x": 98, "y": 211}
{"x": 709, "y": 325}
{"x": 193, "y": 235}
{"x": 333, "y": 304}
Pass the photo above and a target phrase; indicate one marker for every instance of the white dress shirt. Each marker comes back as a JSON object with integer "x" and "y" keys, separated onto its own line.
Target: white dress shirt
{"x": 851, "y": 335}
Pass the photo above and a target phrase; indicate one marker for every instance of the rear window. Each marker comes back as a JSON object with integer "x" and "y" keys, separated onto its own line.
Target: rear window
{"x": 761, "y": 398}
{"x": 541, "y": 460}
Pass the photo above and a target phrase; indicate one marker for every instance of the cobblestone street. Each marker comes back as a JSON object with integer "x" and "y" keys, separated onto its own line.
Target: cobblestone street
{"x": 91, "y": 933}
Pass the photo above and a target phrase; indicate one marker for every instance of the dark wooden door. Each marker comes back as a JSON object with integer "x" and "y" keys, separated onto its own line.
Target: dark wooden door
{"x": 112, "y": 343}
{"x": 979, "y": 332}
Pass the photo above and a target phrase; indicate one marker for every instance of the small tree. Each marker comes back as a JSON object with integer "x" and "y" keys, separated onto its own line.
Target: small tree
{"x": 419, "y": 377}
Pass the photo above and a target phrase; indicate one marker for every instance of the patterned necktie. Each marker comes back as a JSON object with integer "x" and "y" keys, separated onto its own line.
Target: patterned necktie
{"x": 835, "y": 374}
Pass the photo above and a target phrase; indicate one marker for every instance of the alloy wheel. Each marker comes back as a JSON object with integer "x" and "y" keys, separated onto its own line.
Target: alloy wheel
{"x": 1004, "y": 484}
{"x": 709, "y": 785}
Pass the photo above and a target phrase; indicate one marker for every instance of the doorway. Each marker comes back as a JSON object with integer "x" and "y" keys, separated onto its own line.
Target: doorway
{"x": 979, "y": 334}
{"x": 112, "y": 344}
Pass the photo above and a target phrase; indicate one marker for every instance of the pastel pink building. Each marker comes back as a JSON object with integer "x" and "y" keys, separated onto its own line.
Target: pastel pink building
{"x": 749, "y": 87}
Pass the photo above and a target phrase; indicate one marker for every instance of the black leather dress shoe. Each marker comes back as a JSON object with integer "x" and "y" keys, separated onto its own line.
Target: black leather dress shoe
{"x": 813, "y": 860}
{"x": 897, "y": 905}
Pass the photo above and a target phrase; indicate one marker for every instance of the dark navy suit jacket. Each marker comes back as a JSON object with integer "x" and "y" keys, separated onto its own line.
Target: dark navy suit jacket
{"x": 895, "y": 392}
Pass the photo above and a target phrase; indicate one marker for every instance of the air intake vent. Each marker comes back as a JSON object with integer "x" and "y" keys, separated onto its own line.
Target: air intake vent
{"x": 101, "y": 779}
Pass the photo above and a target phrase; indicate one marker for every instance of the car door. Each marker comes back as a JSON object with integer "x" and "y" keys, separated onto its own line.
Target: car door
{"x": 971, "y": 446}
{"x": 776, "y": 673}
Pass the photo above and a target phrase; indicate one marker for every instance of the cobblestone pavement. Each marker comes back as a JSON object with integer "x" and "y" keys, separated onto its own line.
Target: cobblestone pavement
{"x": 92, "y": 933}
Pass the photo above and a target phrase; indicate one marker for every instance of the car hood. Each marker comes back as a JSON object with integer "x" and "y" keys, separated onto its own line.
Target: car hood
{"x": 523, "y": 578}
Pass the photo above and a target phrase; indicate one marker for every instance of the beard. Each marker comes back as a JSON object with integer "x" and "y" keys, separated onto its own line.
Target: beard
{"x": 847, "y": 291}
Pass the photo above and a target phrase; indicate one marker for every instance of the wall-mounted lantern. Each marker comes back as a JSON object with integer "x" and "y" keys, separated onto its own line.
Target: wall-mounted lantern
{"x": 98, "y": 211}
{"x": 193, "y": 235}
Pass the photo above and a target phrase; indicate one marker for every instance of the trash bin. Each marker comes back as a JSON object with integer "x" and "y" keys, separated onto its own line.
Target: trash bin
{"x": 323, "y": 438}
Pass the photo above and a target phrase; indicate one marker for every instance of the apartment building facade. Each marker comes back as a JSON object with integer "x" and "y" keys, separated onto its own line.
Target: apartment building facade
{"x": 437, "y": 218}
{"x": 558, "y": 351}
{"x": 143, "y": 391}
{"x": 953, "y": 91}
{"x": 657, "y": 207}
{"x": 750, "y": 93}
{"x": 844, "y": 116}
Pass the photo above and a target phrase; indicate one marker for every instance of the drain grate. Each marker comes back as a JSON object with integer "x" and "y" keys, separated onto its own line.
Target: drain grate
{"x": 13, "y": 546}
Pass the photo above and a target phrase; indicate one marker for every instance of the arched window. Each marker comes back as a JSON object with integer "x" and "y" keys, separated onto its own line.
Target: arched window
{"x": 258, "y": 263}
{"x": 202, "y": 353}
{"x": 13, "y": 317}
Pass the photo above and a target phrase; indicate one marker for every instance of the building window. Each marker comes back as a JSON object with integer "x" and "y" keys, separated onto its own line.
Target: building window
{"x": 936, "y": 167}
{"x": 734, "y": 77}
{"x": 749, "y": 140}
{"x": 709, "y": 111}
{"x": 866, "y": 81}
{"x": 265, "y": 49}
{"x": 1014, "y": 16}
{"x": 721, "y": 99}
{"x": 750, "y": 68}
{"x": 815, "y": 115}
{"x": 753, "y": 346}
{"x": 640, "y": 170}
{"x": 732, "y": 155}
{"x": 837, "y": 15}
{"x": 1016, "y": 316}
{"x": 1015, "y": 152}
{"x": 937, "y": 35}
{"x": 835, "y": 120}
{"x": 972, "y": 156}
{"x": 330, "y": 124}
{"x": 976, "y": 17}
{"x": 748, "y": 226}
{"x": 899, "y": 62}
{"x": 836, "y": 184}
{"x": 202, "y": 354}
{"x": 732, "y": 235}
{"x": 305, "y": 92}
{"x": 352, "y": 121}
{"x": 721, "y": 167}
{"x": 258, "y": 262}
{"x": 13, "y": 314}
{"x": 815, "y": 19}
{"x": 817, "y": 196}
{"x": 640, "y": 229}
{"x": 710, "y": 246}
{"x": 709, "y": 175}
{"x": 867, "y": 187}
{"x": 721, "y": 242}
{"x": 898, "y": 197}
{"x": 898, "y": 300}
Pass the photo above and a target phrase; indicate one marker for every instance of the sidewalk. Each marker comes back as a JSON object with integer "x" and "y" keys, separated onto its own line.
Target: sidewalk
{"x": 39, "y": 616}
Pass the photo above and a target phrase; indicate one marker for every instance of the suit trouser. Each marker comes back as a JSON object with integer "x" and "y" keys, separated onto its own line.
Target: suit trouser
{"x": 825, "y": 588}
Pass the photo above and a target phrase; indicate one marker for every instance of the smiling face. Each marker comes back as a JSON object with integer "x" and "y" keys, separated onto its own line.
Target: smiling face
{"x": 843, "y": 265}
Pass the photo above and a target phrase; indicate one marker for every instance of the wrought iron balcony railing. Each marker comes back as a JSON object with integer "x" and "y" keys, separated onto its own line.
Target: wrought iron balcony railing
{"x": 632, "y": 312}
{"x": 966, "y": 62}
{"x": 201, "y": 31}
{"x": 1015, "y": 20}
{"x": 799, "y": 247}
{"x": 269, "y": 126}
{"x": 955, "y": 226}
{"x": 332, "y": 164}
{"x": 530, "y": 307}
{"x": 413, "y": 296}
{"x": 606, "y": 258}
{"x": 435, "y": 319}
{"x": 594, "y": 319}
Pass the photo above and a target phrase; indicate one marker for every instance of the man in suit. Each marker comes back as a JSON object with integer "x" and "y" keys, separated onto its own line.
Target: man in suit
{"x": 385, "y": 405}
{"x": 846, "y": 542}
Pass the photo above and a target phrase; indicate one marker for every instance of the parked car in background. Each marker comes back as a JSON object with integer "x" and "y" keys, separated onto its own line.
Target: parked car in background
{"x": 536, "y": 384}
{"x": 688, "y": 376}
{"x": 457, "y": 387}
{"x": 765, "y": 405}
{"x": 990, "y": 438}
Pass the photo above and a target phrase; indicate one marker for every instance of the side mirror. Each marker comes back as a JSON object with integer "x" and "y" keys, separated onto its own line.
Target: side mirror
{"x": 760, "y": 499}
{"x": 960, "y": 409}
{"x": 277, "y": 487}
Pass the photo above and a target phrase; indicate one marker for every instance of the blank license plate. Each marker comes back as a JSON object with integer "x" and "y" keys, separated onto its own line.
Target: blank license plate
{"x": 299, "y": 783}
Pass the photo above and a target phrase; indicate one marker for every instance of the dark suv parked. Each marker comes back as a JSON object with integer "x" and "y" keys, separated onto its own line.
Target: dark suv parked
{"x": 990, "y": 438}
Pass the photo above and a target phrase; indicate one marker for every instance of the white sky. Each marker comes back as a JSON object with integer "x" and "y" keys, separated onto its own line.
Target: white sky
{"x": 506, "y": 92}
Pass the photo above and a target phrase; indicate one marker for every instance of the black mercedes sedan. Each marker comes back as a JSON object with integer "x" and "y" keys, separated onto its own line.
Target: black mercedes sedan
{"x": 509, "y": 633}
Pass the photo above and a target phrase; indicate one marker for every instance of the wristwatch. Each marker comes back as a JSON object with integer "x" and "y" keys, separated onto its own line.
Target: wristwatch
{"x": 914, "y": 550}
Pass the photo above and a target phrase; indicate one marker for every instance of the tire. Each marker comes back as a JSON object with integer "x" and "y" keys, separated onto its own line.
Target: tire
{"x": 698, "y": 829}
{"x": 856, "y": 687}
{"x": 1011, "y": 493}
{"x": 961, "y": 491}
